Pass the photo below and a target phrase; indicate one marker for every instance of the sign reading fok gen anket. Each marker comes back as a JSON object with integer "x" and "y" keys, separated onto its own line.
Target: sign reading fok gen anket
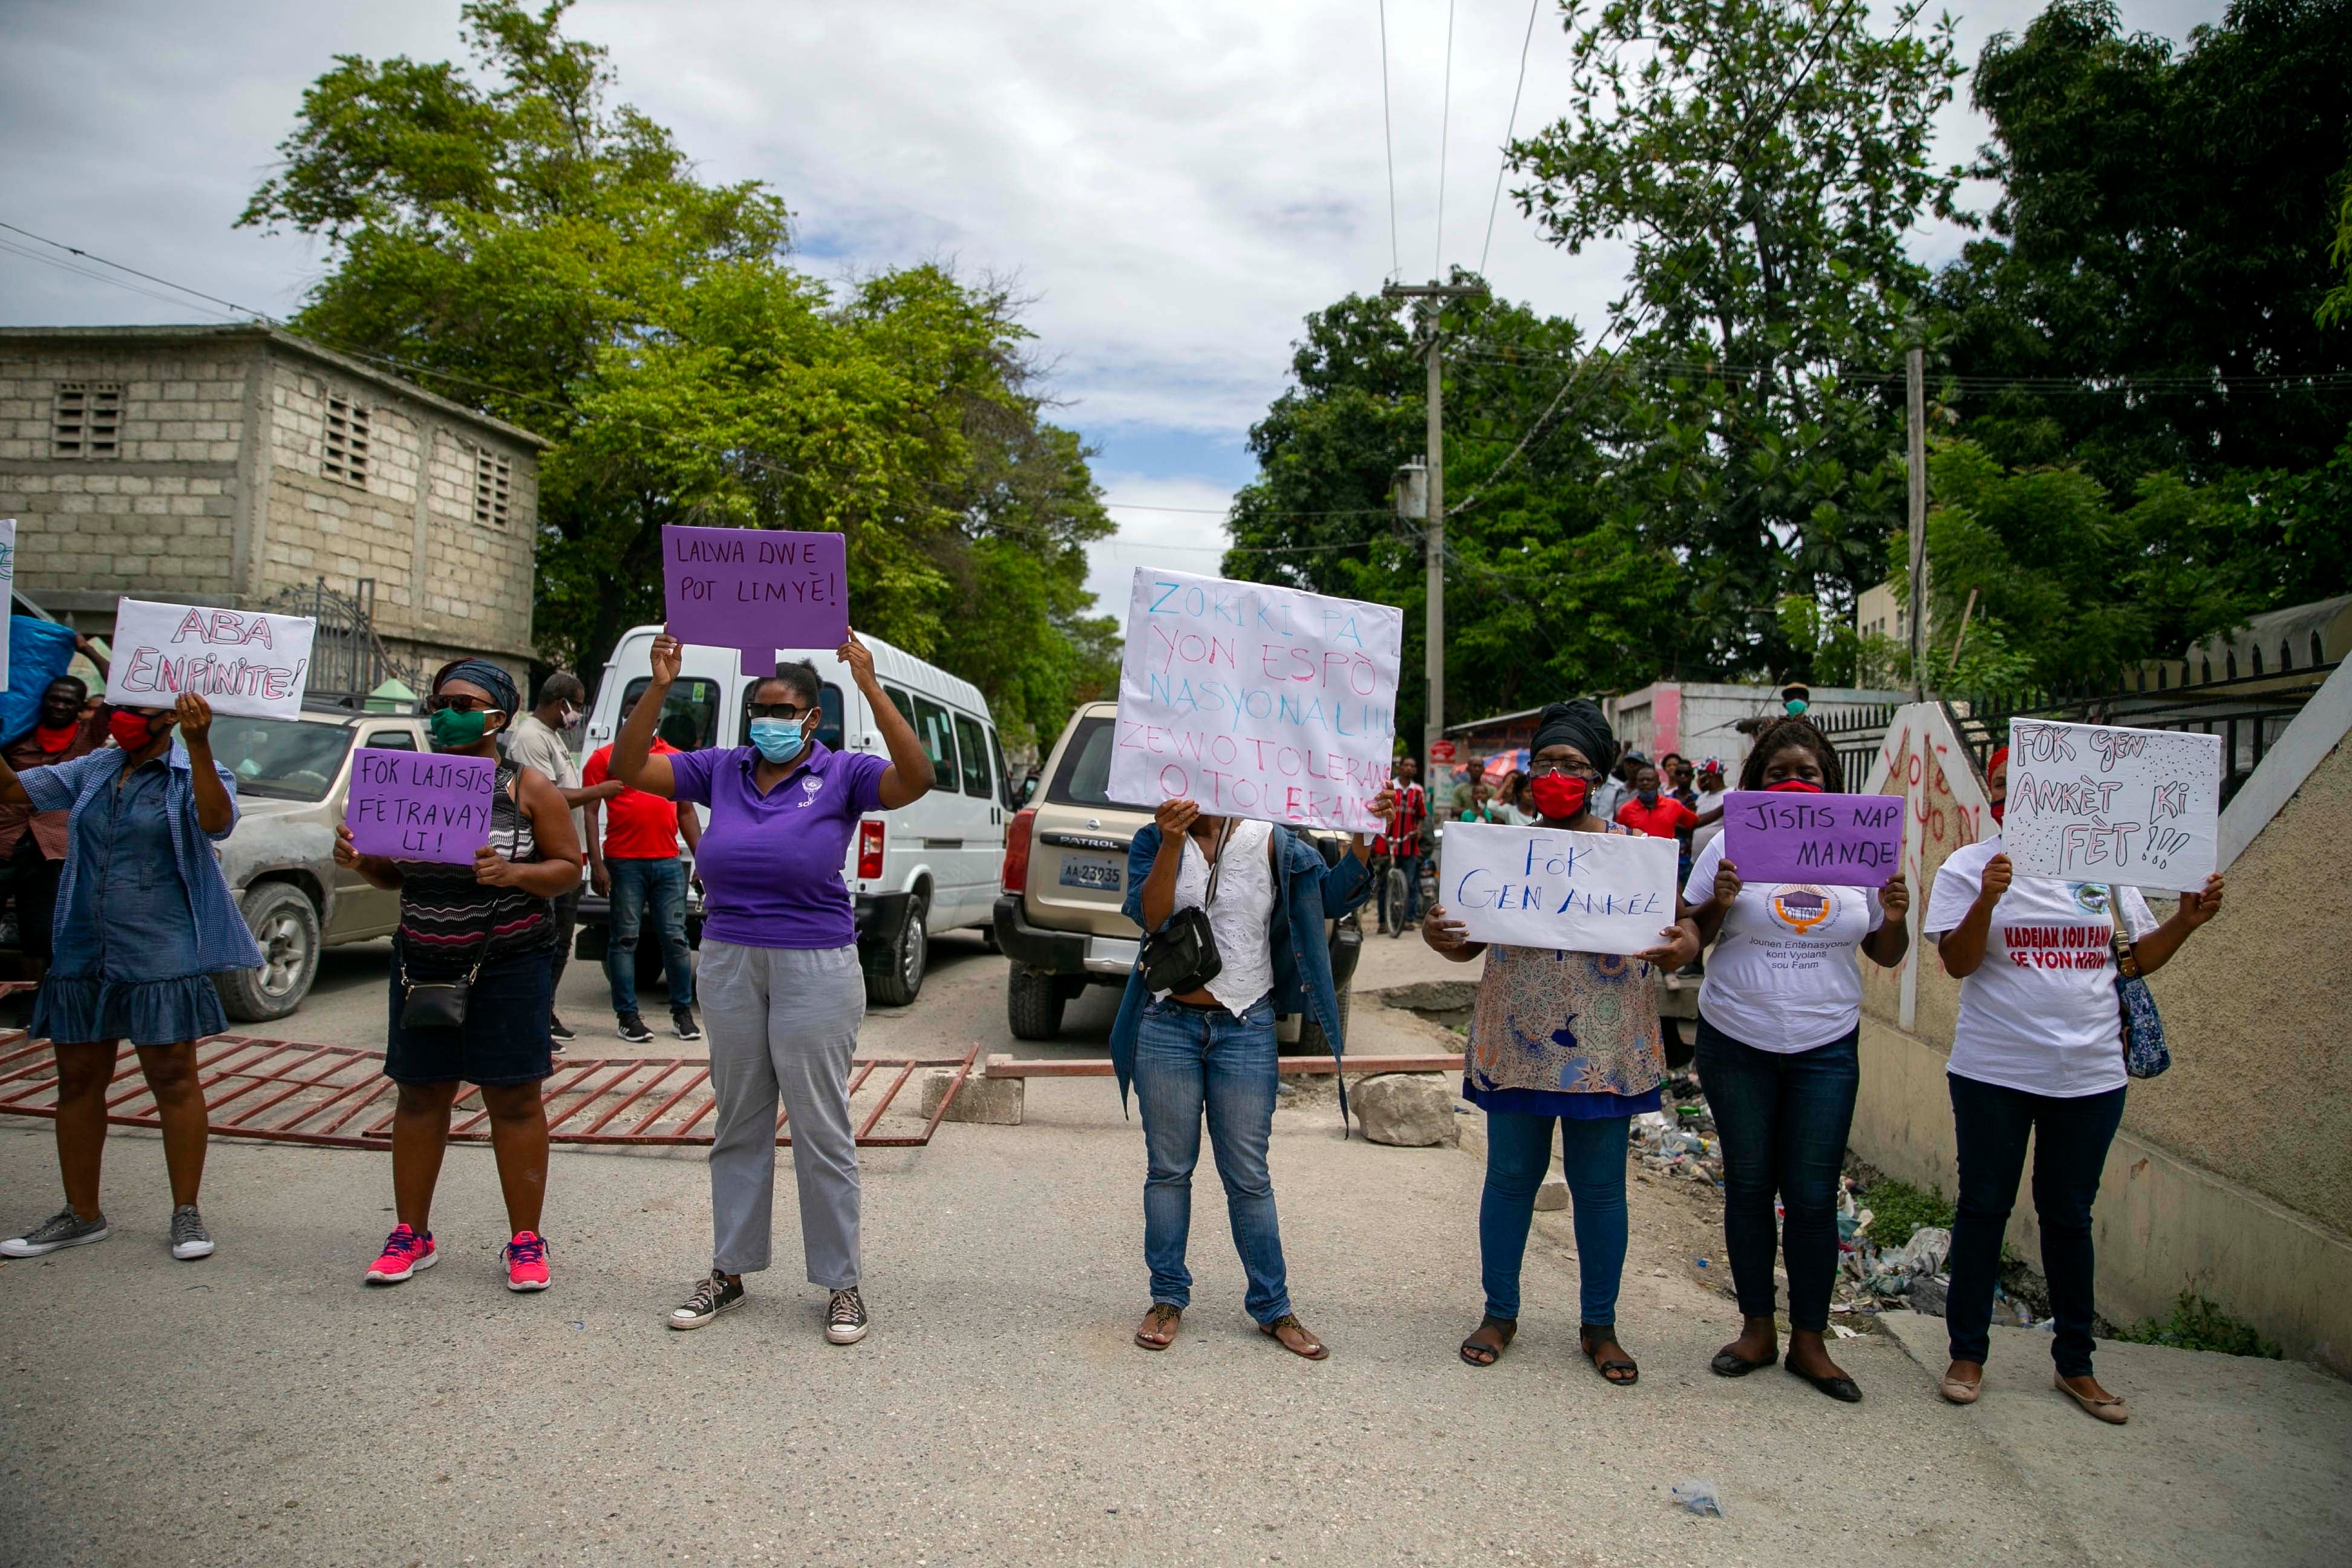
{"x": 1257, "y": 702}
{"x": 1544, "y": 887}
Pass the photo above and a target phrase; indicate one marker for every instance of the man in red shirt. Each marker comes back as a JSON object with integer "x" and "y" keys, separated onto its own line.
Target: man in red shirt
{"x": 1403, "y": 842}
{"x": 1659, "y": 816}
{"x": 635, "y": 863}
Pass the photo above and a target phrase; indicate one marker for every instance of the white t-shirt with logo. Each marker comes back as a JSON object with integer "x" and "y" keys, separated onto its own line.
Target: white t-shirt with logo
{"x": 1783, "y": 977}
{"x": 2039, "y": 1014}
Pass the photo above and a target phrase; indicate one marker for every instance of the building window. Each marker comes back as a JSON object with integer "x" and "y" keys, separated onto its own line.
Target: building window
{"x": 493, "y": 487}
{"x": 86, "y": 420}
{"x": 346, "y": 456}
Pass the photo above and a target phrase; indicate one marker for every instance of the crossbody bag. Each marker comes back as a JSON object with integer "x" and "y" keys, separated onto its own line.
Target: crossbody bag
{"x": 2145, "y": 1052}
{"x": 1181, "y": 955}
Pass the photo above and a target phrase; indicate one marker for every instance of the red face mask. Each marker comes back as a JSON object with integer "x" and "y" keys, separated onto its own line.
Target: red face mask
{"x": 1793, "y": 786}
{"x": 131, "y": 730}
{"x": 2000, "y": 809}
{"x": 1560, "y": 797}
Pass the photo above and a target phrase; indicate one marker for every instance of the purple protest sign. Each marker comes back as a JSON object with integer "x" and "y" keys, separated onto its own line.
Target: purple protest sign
{"x": 419, "y": 805}
{"x": 756, "y": 590}
{"x": 1844, "y": 840}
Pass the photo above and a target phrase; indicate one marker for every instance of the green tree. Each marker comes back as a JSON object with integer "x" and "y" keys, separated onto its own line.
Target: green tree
{"x": 517, "y": 241}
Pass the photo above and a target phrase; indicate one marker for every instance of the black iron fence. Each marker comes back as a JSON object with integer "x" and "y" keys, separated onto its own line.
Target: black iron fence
{"x": 347, "y": 659}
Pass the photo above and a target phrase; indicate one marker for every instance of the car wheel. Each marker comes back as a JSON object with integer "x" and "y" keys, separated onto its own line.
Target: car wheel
{"x": 286, "y": 928}
{"x": 1312, "y": 1041}
{"x": 899, "y": 979}
{"x": 1033, "y": 1001}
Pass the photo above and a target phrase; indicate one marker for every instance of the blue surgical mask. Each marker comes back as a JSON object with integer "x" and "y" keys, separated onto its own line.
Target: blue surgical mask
{"x": 779, "y": 740}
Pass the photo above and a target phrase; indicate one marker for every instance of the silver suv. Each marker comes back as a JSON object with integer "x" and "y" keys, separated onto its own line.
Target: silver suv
{"x": 1058, "y": 918}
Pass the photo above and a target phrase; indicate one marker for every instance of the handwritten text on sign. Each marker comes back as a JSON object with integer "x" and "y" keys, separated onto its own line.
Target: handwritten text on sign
{"x": 2089, "y": 803}
{"x": 7, "y": 586}
{"x": 755, "y": 590}
{"x": 242, "y": 663}
{"x": 418, "y": 805}
{"x": 1844, "y": 840}
{"x": 1256, "y": 702}
{"x": 1541, "y": 886}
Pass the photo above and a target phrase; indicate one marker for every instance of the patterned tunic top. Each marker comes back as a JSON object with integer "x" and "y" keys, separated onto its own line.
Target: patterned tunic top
{"x": 1564, "y": 1034}
{"x": 449, "y": 921}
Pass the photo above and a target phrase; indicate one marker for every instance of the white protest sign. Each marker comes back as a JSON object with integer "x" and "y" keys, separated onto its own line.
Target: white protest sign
{"x": 247, "y": 662}
{"x": 1255, "y": 700}
{"x": 7, "y": 587}
{"x": 2091, "y": 803}
{"x": 1543, "y": 887}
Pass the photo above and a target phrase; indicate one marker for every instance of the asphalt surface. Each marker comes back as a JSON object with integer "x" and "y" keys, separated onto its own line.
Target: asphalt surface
{"x": 263, "y": 1406}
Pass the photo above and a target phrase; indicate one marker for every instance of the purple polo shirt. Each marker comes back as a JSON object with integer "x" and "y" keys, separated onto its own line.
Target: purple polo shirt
{"x": 771, "y": 864}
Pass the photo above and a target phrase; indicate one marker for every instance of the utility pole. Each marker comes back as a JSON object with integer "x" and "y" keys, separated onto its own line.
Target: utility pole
{"x": 1915, "y": 373}
{"x": 1434, "y": 730}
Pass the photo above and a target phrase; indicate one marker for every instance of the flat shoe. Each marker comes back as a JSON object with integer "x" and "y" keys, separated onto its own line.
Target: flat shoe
{"x": 1841, "y": 1389}
{"x": 2111, "y": 1410}
{"x": 1958, "y": 1392}
{"x": 1726, "y": 1365}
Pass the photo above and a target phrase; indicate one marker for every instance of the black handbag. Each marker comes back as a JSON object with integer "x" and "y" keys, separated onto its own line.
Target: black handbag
{"x": 437, "y": 1003}
{"x": 1181, "y": 955}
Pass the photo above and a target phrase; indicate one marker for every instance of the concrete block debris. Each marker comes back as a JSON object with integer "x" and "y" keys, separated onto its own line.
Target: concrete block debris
{"x": 990, "y": 1102}
{"x": 1407, "y": 1111}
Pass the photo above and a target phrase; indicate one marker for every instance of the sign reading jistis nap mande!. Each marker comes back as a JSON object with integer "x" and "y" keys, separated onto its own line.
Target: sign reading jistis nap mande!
{"x": 245, "y": 662}
{"x": 1257, "y": 702}
{"x": 2091, "y": 803}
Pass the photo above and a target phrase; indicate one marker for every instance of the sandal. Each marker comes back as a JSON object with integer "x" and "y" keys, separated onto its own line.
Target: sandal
{"x": 1316, "y": 1349}
{"x": 1591, "y": 1337}
{"x": 1474, "y": 1348}
{"x": 1158, "y": 1330}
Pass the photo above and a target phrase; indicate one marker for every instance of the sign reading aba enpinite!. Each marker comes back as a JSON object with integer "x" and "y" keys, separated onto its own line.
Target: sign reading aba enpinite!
{"x": 420, "y": 805}
{"x": 1543, "y": 887}
{"x": 2091, "y": 803}
{"x": 1844, "y": 840}
{"x": 1254, "y": 700}
{"x": 758, "y": 590}
{"x": 249, "y": 663}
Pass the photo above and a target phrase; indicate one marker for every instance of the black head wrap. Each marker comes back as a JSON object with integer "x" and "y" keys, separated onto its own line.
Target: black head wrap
{"x": 491, "y": 678}
{"x": 1581, "y": 724}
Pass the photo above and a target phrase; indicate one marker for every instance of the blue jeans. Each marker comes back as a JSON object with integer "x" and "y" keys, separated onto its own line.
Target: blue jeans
{"x": 1783, "y": 1117}
{"x": 1411, "y": 865}
{"x": 1189, "y": 1061}
{"x": 1518, "y": 1153}
{"x": 638, "y": 885}
{"x": 2070, "y": 1148}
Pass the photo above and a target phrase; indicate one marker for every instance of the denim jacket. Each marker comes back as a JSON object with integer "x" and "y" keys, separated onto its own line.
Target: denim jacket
{"x": 224, "y": 942}
{"x": 1306, "y": 894}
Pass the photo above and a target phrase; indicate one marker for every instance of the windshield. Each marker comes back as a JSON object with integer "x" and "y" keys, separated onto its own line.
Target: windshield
{"x": 1083, "y": 777}
{"x": 281, "y": 759}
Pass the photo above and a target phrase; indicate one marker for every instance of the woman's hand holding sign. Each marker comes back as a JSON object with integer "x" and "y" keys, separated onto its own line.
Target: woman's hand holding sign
{"x": 1448, "y": 936}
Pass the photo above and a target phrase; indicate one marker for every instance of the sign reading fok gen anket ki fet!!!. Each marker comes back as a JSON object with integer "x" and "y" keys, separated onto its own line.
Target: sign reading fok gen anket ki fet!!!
{"x": 1257, "y": 702}
{"x": 242, "y": 662}
{"x": 2091, "y": 803}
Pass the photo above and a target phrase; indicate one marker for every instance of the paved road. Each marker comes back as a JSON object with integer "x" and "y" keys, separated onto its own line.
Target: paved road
{"x": 264, "y": 1407}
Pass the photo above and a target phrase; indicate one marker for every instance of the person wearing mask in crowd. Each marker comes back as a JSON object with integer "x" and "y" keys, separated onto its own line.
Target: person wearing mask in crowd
{"x": 67, "y": 726}
{"x": 1779, "y": 1019}
{"x": 1568, "y": 1041}
{"x": 541, "y": 739}
{"x": 472, "y": 969}
{"x": 1651, "y": 811}
{"x": 1482, "y": 805}
{"x": 1409, "y": 809}
{"x": 782, "y": 992}
{"x": 635, "y": 863}
{"x": 1616, "y": 786}
{"x": 144, "y": 920}
{"x": 1209, "y": 1051}
{"x": 2037, "y": 1051}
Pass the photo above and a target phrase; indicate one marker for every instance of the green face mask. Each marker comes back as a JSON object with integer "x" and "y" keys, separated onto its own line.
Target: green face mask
{"x": 453, "y": 732}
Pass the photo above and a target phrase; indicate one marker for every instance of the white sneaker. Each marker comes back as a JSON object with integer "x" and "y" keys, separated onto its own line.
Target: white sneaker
{"x": 845, "y": 1319}
{"x": 190, "y": 1239}
{"x": 61, "y": 1229}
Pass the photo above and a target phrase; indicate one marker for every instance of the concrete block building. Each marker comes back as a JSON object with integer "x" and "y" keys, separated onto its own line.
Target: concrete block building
{"x": 226, "y": 464}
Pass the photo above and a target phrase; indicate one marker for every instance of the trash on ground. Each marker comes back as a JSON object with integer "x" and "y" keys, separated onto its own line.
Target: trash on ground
{"x": 1698, "y": 1494}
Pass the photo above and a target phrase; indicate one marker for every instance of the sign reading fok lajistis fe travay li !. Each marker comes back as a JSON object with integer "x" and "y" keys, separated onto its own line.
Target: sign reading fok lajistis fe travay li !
{"x": 1542, "y": 886}
{"x": 1844, "y": 840}
{"x": 1256, "y": 702}
{"x": 755, "y": 589}
{"x": 2091, "y": 803}
{"x": 243, "y": 662}
{"x": 420, "y": 805}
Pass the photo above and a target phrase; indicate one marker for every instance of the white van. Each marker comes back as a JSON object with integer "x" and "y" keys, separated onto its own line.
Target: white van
{"x": 933, "y": 866}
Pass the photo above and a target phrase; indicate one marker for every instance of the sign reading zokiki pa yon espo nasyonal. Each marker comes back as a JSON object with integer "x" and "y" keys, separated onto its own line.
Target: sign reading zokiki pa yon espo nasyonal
{"x": 1254, "y": 700}
{"x": 759, "y": 590}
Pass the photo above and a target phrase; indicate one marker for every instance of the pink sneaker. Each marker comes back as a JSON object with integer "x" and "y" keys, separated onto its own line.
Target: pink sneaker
{"x": 526, "y": 1261}
{"x": 404, "y": 1252}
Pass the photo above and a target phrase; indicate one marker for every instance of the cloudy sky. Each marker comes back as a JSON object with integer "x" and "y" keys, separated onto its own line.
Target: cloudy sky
{"x": 1177, "y": 184}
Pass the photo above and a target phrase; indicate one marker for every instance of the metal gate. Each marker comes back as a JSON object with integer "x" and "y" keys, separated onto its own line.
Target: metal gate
{"x": 337, "y": 1097}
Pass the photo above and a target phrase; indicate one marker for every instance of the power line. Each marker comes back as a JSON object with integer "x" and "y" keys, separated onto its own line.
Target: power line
{"x": 1388, "y": 141}
{"x": 1445, "y": 131}
{"x": 1509, "y": 126}
{"x": 133, "y": 271}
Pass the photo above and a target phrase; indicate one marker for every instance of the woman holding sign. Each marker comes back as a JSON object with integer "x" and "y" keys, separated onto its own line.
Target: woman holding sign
{"x": 472, "y": 980}
{"x": 144, "y": 920}
{"x": 782, "y": 993}
{"x": 1561, "y": 1040}
{"x": 2037, "y": 1051}
{"x": 1779, "y": 1020}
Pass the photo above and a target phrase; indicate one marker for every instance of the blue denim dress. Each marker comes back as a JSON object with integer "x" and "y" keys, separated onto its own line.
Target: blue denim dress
{"x": 127, "y": 963}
